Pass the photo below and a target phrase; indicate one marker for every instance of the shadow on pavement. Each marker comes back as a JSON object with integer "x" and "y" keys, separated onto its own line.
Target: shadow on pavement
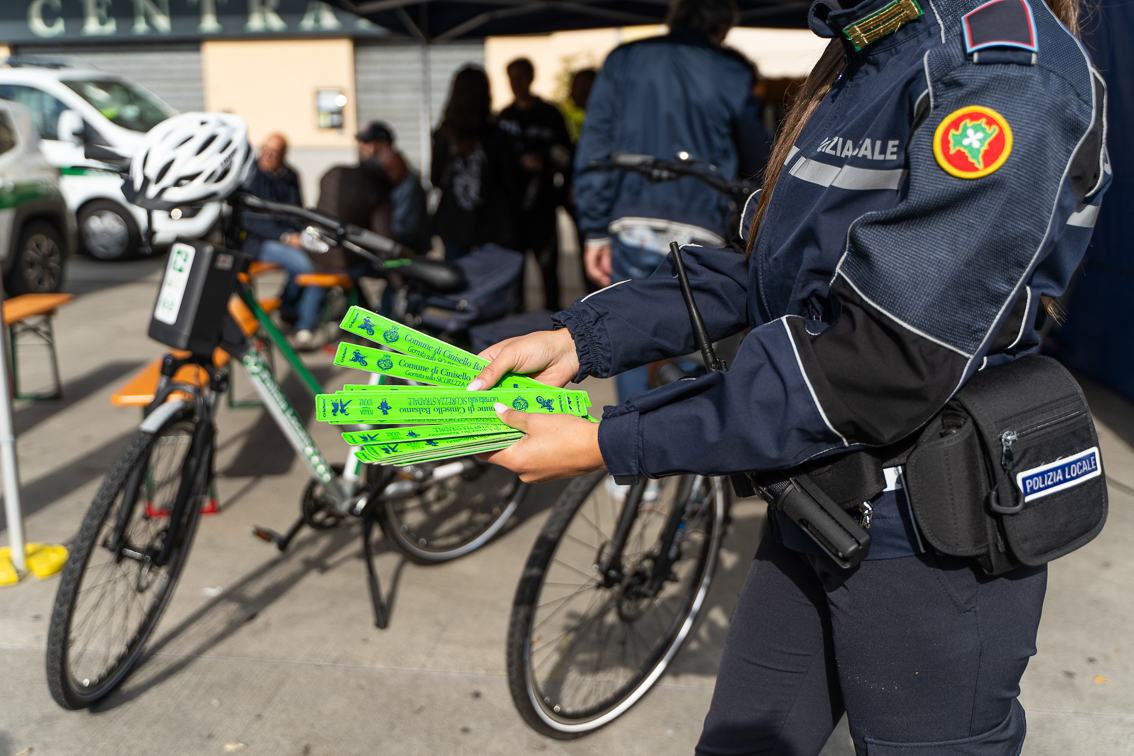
{"x": 217, "y": 620}
{"x": 265, "y": 450}
{"x": 1110, "y": 407}
{"x": 74, "y": 391}
{"x": 53, "y": 486}
{"x": 85, "y": 275}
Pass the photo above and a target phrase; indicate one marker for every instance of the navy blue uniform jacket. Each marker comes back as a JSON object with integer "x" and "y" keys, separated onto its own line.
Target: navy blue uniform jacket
{"x": 879, "y": 281}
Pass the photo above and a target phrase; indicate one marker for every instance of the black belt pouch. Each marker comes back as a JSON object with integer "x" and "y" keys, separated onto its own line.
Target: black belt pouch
{"x": 1010, "y": 473}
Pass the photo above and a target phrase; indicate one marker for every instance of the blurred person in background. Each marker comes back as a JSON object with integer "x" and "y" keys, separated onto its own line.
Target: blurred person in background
{"x": 679, "y": 93}
{"x": 574, "y": 110}
{"x": 470, "y": 167}
{"x": 410, "y": 221}
{"x": 273, "y": 240}
{"x": 541, "y": 162}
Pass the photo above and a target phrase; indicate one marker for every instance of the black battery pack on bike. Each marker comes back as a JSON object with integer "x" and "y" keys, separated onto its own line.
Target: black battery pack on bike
{"x": 832, "y": 529}
{"x": 193, "y": 299}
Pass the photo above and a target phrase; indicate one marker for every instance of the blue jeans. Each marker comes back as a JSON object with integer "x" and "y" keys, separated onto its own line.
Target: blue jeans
{"x": 631, "y": 262}
{"x": 305, "y": 302}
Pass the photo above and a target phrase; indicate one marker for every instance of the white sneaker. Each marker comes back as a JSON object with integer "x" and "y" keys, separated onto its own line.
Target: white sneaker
{"x": 304, "y": 341}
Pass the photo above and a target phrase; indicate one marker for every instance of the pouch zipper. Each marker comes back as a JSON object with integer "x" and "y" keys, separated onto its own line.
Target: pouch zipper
{"x": 1009, "y": 437}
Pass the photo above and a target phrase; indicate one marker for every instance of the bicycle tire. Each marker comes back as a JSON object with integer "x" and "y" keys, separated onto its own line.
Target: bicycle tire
{"x": 454, "y": 516}
{"x": 556, "y": 699}
{"x": 146, "y": 479}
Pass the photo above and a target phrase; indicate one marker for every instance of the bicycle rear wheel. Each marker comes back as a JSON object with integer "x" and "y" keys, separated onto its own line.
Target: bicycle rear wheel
{"x": 110, "y": 599}
{"x": 581, "y": 650}
{"x": 453, "y": 516}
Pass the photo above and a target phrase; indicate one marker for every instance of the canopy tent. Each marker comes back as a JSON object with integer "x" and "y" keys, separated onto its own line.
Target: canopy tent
{"x": 445, "y": 20}
{"x": 439, "y": 21}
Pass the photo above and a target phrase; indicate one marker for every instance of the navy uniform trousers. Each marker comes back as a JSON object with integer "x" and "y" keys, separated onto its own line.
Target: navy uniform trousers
{"x": 924, "y": 653}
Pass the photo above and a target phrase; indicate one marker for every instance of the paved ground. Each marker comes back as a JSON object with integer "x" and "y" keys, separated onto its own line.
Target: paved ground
{"x": 286, "y": 659}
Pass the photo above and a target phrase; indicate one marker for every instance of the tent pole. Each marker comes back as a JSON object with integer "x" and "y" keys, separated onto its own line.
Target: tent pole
{"x": 425, "y": 116}
{"x": 8, "y": 463}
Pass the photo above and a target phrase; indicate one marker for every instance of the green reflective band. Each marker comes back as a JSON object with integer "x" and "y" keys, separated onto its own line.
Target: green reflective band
{"x": 381, "y": 407}
{"x": 403, "y": 366}
{"x": 372, "y": 326}
{"x": 423, "y": 432}
{"x": 444, "y": 448}
{"x": 882, "y": 22}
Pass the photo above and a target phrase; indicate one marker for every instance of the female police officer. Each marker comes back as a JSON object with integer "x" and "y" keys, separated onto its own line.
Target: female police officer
{"x": 937, "y": 179}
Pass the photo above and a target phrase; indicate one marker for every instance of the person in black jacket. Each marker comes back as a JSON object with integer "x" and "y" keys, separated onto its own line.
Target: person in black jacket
{"x": 541, "y": 161}
{"x": 470, "y": 167}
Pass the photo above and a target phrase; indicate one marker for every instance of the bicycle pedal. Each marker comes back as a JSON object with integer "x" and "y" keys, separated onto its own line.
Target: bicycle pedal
{"x": 267, "y": 535}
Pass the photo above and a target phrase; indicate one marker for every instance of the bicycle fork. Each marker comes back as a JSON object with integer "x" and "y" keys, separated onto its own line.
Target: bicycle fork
{"x": 676, "y": 526}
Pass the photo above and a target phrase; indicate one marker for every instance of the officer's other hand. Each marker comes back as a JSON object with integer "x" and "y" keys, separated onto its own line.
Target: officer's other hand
{"x": 554, "y": 447}
{"x": 596, "y": 261}
{"x": 547, "y": 356}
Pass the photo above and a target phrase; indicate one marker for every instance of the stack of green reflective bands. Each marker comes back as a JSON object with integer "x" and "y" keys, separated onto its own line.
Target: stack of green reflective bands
{"x": 437, "y": 421}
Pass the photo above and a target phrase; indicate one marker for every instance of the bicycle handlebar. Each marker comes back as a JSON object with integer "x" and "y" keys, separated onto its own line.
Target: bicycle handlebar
{"x": 657, "y": 170}
{"x": 359, "y": 237}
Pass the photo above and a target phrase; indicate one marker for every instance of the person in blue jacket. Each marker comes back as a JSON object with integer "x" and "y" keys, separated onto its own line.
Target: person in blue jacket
{"x": 934, "y": 185}
{"x": 664, "y": 96}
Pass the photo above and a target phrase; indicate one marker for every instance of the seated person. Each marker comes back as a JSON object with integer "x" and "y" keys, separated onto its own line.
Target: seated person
{"x": 410, "y": 222}
{"x": 359, "y": 195}
{"x": 274, "y": 240}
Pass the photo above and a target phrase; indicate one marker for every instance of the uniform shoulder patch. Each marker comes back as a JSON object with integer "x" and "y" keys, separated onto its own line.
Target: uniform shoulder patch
{"x": 1000, "y": 23}
{"x": 972, "y": 142}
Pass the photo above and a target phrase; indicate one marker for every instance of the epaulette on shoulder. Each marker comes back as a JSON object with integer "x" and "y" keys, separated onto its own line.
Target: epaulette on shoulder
{"x": 1001, "y": 31}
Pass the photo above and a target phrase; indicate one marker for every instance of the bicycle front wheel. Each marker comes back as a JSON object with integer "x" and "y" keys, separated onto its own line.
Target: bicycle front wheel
{"x": 582, "y": 649}
{"x": 113, "y": 589}
{"x": 454, "y": 515}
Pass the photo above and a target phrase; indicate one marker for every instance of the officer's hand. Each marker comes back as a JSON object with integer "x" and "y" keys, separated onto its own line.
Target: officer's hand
{"x": 596, "y": 261}
{"x": 547, "y": 356}
{"x": 556, "y": 446}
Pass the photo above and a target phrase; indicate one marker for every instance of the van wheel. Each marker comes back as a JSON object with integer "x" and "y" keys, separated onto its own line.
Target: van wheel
{"x": 38, "y": 264}
{"x": 108, "y": 231}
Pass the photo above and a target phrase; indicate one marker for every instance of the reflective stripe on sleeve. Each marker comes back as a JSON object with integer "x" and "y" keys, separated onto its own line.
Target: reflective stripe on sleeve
{"x": 848, "y": 176}
{"x": 1085, "y": 217}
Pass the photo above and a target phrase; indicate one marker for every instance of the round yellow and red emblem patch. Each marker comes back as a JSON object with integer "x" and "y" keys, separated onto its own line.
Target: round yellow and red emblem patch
{"x": 972, "y": 142}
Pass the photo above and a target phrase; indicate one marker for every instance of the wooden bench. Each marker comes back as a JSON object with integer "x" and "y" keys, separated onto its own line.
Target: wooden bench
{"x": 32, "y": 313}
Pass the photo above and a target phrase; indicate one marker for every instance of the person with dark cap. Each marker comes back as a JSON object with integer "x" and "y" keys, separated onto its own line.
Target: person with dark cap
{"x": 679, "y": 93}
{"x": 540, "y": 166}
{"x": 377, "y": 153}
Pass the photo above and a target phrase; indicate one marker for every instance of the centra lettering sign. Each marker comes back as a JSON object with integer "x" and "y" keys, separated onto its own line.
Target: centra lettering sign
{"x": 29, "y": 21}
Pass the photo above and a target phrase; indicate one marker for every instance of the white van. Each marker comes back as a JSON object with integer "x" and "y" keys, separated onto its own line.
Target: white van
{"x": 73, "y": 107}
{"x": 37, "y": 230}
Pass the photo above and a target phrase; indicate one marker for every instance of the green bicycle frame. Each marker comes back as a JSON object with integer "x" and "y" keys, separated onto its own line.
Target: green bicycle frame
{"x": 277, "y": 339}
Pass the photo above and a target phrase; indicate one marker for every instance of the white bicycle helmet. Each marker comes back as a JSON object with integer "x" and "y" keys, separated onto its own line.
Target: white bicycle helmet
{"x": 190, "y": 159}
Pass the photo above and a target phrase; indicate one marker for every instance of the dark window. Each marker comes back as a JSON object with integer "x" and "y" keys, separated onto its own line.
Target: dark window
{"x": 44, "y": 108}
{"x": 7, "y": 133}
{"x": 121, "y": 103}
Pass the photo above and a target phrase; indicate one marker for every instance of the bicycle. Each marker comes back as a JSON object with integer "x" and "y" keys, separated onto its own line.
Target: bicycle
{"x": 135, "y": 538}
{"x": 619, "y": 574}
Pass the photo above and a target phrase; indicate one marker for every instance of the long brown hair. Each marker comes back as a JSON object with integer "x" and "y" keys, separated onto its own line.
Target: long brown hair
{"x": 816, "y": 87}
{"x": 469, "y": 110}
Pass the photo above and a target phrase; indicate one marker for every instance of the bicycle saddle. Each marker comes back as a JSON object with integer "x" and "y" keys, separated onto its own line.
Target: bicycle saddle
{"x": 441, "y": 277}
